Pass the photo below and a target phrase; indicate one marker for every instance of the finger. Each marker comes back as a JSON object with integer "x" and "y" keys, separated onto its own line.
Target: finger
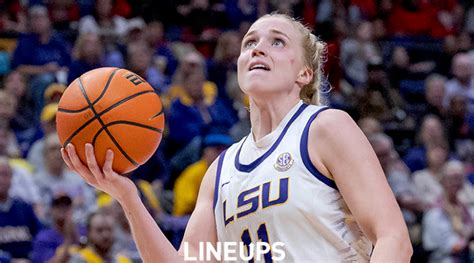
{"x": 78, "y": 166}
{"x": 109, "y": 159}
{"x": 92, "y": 162}
{"x": 66, "y": 158}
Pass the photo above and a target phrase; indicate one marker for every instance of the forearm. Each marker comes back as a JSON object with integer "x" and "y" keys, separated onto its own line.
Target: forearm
{"x": 150, "y": 240}
{"x": 31, "y": 70}
{"x": 392, "y": 249}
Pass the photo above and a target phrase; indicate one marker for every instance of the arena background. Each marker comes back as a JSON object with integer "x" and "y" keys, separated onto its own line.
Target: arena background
{"x": 403, "y": 69}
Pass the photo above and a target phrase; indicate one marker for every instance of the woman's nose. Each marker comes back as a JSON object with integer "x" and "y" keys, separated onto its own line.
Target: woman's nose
{"x": 257, "y": 51}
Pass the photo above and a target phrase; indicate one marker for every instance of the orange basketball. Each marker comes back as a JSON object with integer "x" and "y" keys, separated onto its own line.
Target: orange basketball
{"x": 114, "y": 109}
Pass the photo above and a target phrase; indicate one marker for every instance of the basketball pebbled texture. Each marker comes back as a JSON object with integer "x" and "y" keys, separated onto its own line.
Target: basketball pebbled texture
{"x": 112, "y": 109}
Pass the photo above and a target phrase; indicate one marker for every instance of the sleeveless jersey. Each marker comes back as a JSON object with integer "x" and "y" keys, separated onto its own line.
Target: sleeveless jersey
{"x": 278, "y": 195}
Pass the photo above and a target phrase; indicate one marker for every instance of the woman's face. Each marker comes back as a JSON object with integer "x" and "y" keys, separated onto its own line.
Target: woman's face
{"x": 271, "y": 57}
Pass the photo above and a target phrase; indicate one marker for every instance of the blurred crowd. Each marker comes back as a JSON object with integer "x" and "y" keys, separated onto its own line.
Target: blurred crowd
{"x": 403, "y": 69}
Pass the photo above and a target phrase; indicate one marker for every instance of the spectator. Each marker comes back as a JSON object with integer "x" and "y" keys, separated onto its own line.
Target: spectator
{"x": 225, "y": 60}
{"x": 190, "y": 62}
{"x": 112, "y": 28}
{"x": 463, "y": 81}
{"x": 459, "y": 122}
{"x": 370, "y": 126}
{"x": 18, "y": 223}
{"x": 8, "y": 105}
{"x": 402, "y": 68}
{"x": 56, "y": 179}
{"x": 359, "y": 51}
{"x": 88, "y": 54}
{"x": 48, "y": 125}
{"x": 431, "y": 133}
{"x": 448, "y": 228}
{"x": 124, "y": 243}
{"x": 61, "y": 232}
{"x": 196, "y": 110}
{"x": 23, "y": 186}
{"x": 100, "y": 241}
{"x": 187, "y": 185}
{"x": 40, "y": 54}
{"x": 379, "y": 100}
{"x": 24, "y": 121}
{"x": 427, "y": 181}
{"x": 434, "y": 95}
{"x": 399, "y": 178}
{"x": 163, "y": 55}
{"x": 140, "y": 61}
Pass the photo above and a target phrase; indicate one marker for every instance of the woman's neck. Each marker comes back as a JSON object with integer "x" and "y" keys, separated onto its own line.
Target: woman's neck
{"x": 266, "y": 114}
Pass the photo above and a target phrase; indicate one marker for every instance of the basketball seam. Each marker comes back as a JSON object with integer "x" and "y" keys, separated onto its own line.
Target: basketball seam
{"x": 98, "y": 98}
{"x": 113, "y": 106}
{"x": 126, "y": 122}
{"x": 103, "y": 124}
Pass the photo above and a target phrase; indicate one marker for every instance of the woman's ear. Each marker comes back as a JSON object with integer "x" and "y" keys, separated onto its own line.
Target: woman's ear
{"x": 304, "y": 77}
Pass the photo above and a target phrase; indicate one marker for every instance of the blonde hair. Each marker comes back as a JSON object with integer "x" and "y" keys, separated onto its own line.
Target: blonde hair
{"x": 313, "y": 55}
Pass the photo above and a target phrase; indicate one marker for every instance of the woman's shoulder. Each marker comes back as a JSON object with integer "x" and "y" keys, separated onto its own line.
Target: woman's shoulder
{"x": 332, "y": 118}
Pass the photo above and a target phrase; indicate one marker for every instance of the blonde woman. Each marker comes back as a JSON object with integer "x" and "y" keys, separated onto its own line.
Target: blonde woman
{"x": 304, "y": 176}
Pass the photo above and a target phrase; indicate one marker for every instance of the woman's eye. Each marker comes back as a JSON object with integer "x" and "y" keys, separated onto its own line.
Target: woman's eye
{"x": 278, "y": 43}
{"x": 250, "y": 44}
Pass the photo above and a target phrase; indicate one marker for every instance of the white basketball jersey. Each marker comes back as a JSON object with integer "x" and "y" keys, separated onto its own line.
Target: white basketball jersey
{"x": 269, "y": 191}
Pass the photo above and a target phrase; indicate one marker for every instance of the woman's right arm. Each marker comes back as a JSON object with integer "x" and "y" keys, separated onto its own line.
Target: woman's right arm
{"x": 150, "y": 240}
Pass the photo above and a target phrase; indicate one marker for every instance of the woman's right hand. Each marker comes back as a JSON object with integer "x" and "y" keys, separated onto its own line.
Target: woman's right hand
{"x": 105, "y": 179}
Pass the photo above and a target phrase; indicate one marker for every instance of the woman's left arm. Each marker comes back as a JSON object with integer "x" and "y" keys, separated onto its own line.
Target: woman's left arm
{"x": 339, "y": 149}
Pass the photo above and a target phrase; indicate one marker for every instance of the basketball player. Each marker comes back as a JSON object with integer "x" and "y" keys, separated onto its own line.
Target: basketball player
{"x": 305, "y": 175}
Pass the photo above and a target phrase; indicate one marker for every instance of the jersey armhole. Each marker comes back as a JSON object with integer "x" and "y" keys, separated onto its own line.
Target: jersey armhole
{"x": 218, "y": 177}
{"x": 305, "y": 153}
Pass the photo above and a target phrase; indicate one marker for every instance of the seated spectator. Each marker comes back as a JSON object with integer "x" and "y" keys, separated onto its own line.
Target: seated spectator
{"x": 398, "y": 177}
{"x": 357, "y": 52}
{"x": 459, "y": 122}
{"x": 40, "y": 54}
{"x": 370, "y": 126}
{"x": 402, "y": 68}
{"x": 463, "y": 81}
{"x": 434, "y": 95}
{"x": 88, "y": 54}
{"x": 24, "y": 120}
{"x": 379, "y": 100}
{"x": 56, "y": 179}
{"x": 240, "y": 103}
{"x": 18, "y": 222}
{"x": 112, "y": 28}
{"x": 139, "y": 60}
{"x": 163, "y": 55}
{"x": 431, "y": 132}
{"x": 23, "y": 186}
{"x": 197, "y": 109}
{"x": 427, "y": 181}
{"x": 189, "y": 63}
{"x": 8, "y": 106}
{"x": 62, "y": 230}
{"x": 48, "y": 124}
{"x": 124, "y": 243}
{"x": 224, "y": 61}
{"x": 448, "y": 228}
{"x": 187, "y": 185}
{"x": 100, "y": 241}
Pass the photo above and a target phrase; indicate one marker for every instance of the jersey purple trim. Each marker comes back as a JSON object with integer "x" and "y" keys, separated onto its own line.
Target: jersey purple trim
{"x": 218, "y": 177}
{"x": 305, "y": 155}
{"x": 247, "y": 168}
